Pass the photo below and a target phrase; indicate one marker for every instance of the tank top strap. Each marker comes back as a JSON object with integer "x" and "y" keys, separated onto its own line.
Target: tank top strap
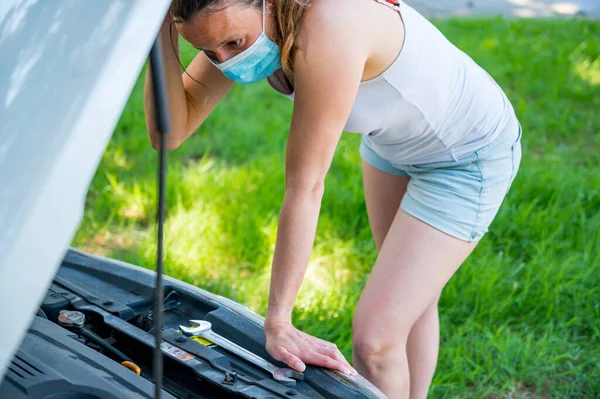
{"x": 393, "y": 4}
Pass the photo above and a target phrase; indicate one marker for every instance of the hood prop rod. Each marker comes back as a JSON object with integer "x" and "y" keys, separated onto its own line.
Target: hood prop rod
{"x": 161, "y": 111}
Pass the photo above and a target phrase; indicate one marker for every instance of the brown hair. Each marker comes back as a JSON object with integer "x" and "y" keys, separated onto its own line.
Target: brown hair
{"x": 287, "y": 16}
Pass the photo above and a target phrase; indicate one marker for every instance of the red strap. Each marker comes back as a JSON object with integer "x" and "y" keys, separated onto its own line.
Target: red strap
{"x": 393, "y": 4}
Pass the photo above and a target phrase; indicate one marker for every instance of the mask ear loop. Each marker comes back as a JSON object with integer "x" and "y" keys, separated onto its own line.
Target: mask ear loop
{"x": 264, "y": 16}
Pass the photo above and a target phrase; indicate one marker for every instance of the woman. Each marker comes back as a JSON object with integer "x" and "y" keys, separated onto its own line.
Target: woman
{"x": 440, "y": 148}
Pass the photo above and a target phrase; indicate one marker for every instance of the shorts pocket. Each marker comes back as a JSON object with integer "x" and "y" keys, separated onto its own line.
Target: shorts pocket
{"x": 462, "y": 163}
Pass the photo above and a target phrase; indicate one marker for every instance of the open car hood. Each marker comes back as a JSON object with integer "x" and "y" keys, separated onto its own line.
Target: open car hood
{"x": 67, "y": 68}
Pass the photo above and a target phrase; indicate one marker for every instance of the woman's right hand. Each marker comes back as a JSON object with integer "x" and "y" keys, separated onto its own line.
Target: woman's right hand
{"x": 296, "y": 348}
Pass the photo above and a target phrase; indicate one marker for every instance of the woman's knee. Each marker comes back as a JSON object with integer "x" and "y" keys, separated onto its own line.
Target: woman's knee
{"x": 374, "y": 340}
{"x": 373, "y": 355}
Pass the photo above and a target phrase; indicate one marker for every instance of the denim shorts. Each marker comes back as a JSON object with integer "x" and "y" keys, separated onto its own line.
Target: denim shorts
{"x": 460, "y": 198}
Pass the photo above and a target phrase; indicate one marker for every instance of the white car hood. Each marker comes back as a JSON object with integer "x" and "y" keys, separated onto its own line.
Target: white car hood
{"x": 67, "y": 68}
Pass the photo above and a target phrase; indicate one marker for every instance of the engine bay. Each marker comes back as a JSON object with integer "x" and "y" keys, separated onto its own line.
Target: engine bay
{"x": 93, "y": 338}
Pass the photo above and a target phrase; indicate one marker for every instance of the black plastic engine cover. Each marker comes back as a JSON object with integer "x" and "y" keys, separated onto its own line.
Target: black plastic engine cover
{"x": 51, "y": 364}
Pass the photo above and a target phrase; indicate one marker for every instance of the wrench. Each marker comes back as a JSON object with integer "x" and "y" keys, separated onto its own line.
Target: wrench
{"x": 202, "y": 328}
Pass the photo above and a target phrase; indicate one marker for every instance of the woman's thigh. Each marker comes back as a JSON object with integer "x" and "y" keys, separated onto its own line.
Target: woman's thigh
{"x": 383, "y": 194}
{"x": 384, "y": 299}
{"x": 415, "y": 262}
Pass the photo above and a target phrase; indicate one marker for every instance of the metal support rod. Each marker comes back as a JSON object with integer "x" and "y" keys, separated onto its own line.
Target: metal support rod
{"x": 161, "y": 110}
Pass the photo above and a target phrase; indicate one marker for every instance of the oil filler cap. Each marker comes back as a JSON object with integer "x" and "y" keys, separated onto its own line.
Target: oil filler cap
{"x": 71, "y": 318}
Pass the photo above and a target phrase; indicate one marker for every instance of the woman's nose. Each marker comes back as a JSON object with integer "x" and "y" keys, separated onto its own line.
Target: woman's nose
{"x": 223, "y": 56}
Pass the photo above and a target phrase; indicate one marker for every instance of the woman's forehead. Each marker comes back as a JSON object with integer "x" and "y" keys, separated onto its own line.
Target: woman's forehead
{"x": 207, "y": 29}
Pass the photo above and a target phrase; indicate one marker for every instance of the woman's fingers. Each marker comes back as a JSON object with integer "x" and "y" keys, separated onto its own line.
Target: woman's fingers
{"x": 334, "y": 353}
{"x": 330, "y": 349}
{"x": 282, "y": 354}
{"x": 327, "y": 361}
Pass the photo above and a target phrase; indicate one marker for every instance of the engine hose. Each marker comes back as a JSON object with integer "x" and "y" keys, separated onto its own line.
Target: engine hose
{"x": 98, "y": 340}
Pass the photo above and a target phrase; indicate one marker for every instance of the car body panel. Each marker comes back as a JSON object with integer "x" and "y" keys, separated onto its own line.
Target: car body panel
{"x": 67, "y": 68}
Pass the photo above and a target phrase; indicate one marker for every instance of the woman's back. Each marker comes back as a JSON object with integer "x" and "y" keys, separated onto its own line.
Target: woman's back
{"x": 433, "y": 103}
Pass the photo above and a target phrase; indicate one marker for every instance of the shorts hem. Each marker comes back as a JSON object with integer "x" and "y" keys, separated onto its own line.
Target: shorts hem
{"x": 376, "y": 161}
{"x": 419, "y": 211}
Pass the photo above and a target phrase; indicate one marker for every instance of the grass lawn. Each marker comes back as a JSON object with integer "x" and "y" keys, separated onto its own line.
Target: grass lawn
{"x": 520, "y": 319}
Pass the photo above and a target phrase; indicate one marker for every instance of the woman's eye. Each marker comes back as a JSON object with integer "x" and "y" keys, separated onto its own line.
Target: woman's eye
{"x": 235, "y": 43}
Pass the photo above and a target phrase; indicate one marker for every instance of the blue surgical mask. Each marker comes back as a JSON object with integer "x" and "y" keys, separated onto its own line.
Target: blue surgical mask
{"x": 255, "y": 63}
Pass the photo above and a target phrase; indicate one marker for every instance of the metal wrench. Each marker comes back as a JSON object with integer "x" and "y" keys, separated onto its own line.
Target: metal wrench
{"x": 202, "y": 328}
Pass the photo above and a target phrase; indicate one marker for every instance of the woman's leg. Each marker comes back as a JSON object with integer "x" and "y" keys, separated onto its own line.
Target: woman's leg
{"x": 422, "y": 351}
{"x": 398, "y": 307}
{"x": 383, "y": 193}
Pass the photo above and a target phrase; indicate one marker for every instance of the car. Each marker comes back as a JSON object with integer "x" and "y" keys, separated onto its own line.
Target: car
{"x": 76, "y": 325}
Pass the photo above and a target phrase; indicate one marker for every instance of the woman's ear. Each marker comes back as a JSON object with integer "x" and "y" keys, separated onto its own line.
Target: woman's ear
{"x": 270, "y": 7}
{"x": 270, "y": 23}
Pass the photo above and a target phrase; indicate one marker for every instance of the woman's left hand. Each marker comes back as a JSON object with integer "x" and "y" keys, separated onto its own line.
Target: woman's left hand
{"x": 296, "y": 348}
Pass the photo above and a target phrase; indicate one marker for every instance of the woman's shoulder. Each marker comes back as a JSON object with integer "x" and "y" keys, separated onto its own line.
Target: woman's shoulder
{"x": 334, "y": 12}
{"x": 330, "y": 20}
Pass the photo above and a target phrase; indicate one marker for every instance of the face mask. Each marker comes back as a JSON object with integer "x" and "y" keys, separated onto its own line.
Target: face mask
{"x": 255, "y": 63}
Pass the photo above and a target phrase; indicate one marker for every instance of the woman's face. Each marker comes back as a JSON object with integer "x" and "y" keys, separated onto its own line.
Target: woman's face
{"x": 225, "y": 33}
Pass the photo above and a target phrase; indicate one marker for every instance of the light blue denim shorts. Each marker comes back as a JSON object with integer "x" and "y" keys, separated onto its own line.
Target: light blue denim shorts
{"x": 460, "y": 198}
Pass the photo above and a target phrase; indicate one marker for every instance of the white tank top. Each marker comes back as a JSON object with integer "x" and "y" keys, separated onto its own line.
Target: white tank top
{"x": 433, "y": 104}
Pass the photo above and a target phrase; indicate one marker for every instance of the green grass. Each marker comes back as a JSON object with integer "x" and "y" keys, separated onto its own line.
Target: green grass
{"x": 521, "y": 318}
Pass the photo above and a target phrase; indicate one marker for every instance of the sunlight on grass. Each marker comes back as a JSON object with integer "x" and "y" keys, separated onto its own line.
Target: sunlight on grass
{"x": 193, "y": 235}
{"x": 326, "y": 275}
{"x": 117, "y": 158}
{"x": 134, "y": 208}
{"x": 133, "y": 200}
{"x": 105, "y": 241}
{"x": 589, "y": 70}
{"x": 586, "y": 62}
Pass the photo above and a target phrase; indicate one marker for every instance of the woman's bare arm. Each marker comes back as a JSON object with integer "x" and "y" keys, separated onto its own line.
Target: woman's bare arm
{"x": 189, "y": 102}
{"x": 327, "y": 75}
